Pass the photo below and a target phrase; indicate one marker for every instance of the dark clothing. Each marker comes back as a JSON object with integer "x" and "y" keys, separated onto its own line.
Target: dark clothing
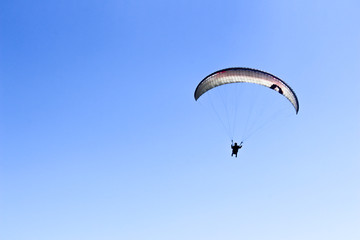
{"x": 235, "y": 149}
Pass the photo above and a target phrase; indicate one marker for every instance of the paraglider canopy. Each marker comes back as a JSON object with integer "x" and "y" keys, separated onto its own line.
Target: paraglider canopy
{"x": 246, "y": 75}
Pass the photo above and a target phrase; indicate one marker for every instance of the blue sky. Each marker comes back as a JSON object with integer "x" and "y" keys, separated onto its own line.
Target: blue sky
{"x": 100, "y": 137}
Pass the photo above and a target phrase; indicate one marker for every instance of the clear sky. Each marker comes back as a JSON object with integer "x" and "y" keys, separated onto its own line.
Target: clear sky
{"x": 100, "y": 136}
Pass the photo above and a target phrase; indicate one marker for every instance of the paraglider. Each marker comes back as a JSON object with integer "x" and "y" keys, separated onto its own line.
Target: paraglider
{"x": 235, "y": 148}
{"x": 233, "y": 106}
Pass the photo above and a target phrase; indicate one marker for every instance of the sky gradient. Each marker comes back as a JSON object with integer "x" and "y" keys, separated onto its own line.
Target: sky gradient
{"x": 101, "y": 138}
